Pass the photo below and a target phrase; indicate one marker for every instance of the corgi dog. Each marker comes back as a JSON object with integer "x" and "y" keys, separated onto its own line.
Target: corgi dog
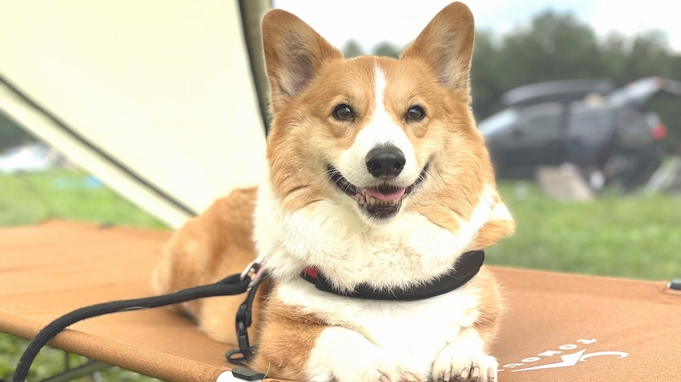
{"x": 378, "y": 180}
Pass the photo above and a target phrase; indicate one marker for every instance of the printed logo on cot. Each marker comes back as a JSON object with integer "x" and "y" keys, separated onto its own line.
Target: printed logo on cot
{"x": 569, "y": 356}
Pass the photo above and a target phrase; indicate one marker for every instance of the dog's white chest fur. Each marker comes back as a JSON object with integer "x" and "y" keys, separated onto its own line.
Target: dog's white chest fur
{"x": 412, "y": 331}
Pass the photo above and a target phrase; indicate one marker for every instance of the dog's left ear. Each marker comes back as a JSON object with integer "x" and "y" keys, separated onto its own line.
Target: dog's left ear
{"x": 294, "y": 53}
{"x": 446, "y": 45}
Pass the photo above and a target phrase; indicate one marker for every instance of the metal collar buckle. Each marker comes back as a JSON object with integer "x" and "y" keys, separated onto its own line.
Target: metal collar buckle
{"x": 254, "y": 270}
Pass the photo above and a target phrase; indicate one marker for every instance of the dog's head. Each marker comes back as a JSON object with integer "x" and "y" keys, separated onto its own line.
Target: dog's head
{"x": 379, "y": 136}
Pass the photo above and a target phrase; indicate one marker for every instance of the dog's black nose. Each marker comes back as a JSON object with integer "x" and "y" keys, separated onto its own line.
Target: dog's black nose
{"x": 385, "y": 162}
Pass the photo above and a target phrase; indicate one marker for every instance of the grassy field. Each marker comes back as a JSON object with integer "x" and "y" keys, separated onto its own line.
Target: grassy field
{"x": 633, "y": 236}
{"x": 30, "y": 198}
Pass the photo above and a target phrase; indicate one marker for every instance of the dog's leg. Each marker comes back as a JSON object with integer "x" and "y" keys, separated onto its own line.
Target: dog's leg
{"x": 344, "y": 355}
{"x": 301, "y": 347}
{"x": 465, "y": 360}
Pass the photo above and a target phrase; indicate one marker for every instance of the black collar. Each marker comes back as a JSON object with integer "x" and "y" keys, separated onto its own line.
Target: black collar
{"x": 467, "y": 266}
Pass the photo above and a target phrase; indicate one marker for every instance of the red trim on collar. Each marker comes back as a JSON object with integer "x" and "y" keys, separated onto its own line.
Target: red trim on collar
{"x": 310, "y": 271}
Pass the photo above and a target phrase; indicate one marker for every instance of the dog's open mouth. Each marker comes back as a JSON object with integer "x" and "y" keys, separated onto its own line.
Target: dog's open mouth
{"x": 380, "y": 202}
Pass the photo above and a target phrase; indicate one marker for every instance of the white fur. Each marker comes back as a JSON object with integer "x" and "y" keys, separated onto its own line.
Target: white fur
{"x": 463, "y": 356}
{"x": 500, "y": 212}
{"x": 381, "y": 130}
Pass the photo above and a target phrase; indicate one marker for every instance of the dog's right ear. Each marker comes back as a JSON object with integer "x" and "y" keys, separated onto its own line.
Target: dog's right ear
{"x": 294, "y": 53}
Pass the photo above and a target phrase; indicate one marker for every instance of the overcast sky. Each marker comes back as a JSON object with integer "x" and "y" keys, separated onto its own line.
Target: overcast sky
{"x": 399, "y": 21}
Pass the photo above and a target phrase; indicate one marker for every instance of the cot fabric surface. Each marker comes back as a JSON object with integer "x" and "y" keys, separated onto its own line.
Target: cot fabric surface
{"x": 559, "y": 327}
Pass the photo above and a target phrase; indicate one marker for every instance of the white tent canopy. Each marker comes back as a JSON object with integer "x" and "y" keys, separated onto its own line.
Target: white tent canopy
{"x": 156, "y": 98}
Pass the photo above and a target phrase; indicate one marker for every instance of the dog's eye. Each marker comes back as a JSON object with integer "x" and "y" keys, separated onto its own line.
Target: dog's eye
{"x": 415, "y": 113}
{"x": 343, "y": 112}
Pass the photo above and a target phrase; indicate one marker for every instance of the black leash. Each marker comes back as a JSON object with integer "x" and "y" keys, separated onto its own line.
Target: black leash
{"x": 232, "y": 285}
{"x": 244, "y": 319}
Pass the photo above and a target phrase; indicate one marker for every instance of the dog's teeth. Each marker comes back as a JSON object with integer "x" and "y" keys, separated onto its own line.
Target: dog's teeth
{"x": 370, "y": 200}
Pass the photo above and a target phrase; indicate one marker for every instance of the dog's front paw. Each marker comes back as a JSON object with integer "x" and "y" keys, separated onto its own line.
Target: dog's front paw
{"x": 456, "y": 364}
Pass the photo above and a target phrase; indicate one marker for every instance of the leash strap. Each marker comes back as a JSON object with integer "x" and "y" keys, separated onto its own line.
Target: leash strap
{"x": 231, "y": 285}
{"x": 244, "y": 319}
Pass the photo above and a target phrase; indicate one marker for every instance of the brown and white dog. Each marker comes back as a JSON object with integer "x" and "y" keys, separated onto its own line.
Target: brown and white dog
{"x": 377, "y": 176}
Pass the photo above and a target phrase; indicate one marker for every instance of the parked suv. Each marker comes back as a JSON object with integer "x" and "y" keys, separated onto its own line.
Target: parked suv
{"x": 605, "y": 132}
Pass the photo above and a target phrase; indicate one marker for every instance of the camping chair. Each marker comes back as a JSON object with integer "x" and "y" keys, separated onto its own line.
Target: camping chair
{"x": 559, "y": 327}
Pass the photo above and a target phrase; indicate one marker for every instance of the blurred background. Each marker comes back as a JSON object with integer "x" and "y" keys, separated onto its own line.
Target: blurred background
{"x": 579, "y": 103}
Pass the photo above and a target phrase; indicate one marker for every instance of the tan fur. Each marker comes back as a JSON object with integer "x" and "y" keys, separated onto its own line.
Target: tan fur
{"x": 206, "y": 249}
{"x": 304, "y": 89}
{"x": 286, "y": 341}
{"x": 295, "y": 155}
{"x": 491, "y": 306}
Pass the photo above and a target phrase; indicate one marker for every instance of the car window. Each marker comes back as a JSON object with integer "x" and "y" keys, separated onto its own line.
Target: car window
{"x": 498, "y": 121}
{"x": 632, "y": 127}
{"x": 542, "y": 120}
{"x": 589, "y": 121}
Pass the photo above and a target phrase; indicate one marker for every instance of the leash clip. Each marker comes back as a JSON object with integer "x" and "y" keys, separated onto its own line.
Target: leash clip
{"x": 254, "y": 270}
{"x": 257, "y": 273}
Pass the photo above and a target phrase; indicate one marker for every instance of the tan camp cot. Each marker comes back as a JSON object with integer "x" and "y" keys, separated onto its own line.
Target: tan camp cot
{"x": 158, "y": 99}
{"x": 559, "y": 327}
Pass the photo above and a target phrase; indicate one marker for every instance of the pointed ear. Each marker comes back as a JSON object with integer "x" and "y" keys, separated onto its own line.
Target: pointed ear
{"x": 446, "y": 45}
{"x": 294, "y": 53}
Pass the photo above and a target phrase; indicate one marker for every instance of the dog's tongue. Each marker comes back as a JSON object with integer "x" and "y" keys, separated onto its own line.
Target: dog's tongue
{"x": 389, "y": 197}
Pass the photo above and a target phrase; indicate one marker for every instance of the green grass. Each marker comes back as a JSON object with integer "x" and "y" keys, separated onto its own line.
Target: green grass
{"x": 32, "y": 197}
{"x": 629, "y": 236}
{"x": 632, "y": 236}
{"x": 51, "y": 361}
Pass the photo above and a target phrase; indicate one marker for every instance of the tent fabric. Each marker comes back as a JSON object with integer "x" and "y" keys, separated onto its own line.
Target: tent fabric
{"x": 558, "y": 327}
{"x": 156, "y": 98}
